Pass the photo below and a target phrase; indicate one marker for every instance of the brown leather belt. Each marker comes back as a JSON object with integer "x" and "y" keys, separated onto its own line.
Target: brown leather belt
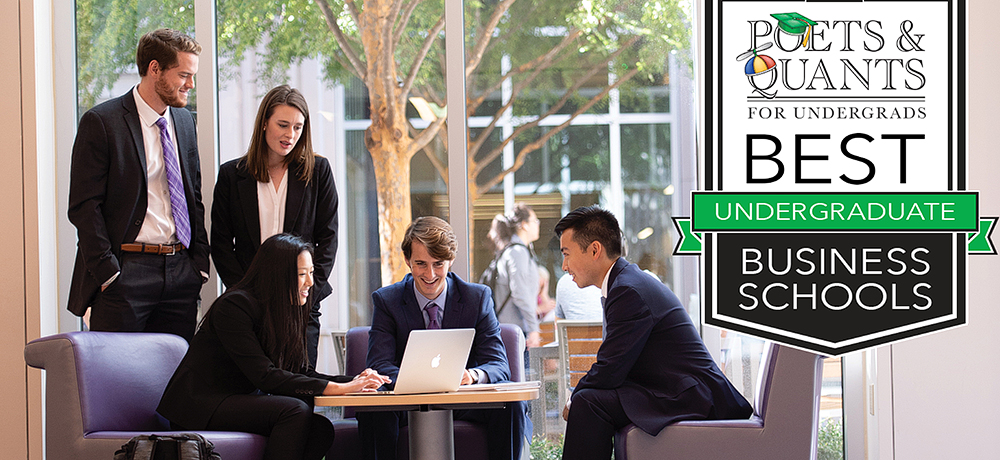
{"x": 161, "y": 249}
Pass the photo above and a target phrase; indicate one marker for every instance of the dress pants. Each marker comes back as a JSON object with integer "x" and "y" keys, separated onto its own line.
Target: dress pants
{"x": 153, "y": 293}
{"x": 505, "y": 430}
{"x": 293, "y": 430}
{"x": 594, "y": 417}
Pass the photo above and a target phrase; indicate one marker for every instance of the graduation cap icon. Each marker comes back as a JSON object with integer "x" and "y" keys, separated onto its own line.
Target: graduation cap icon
{"x": 795, "y": 24}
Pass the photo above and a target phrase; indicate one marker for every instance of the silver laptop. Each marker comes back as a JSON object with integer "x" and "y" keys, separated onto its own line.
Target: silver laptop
{"x": 433, "y": 361}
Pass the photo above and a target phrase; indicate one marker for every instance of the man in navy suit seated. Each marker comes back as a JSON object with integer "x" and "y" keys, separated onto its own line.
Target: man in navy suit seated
{"x": 652, "y": 368}
{"x": 431, "y": 297}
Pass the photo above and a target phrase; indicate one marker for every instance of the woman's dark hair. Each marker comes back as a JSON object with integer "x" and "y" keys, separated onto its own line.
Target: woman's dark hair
{"x": 301, "y": 157}
{"x": 504, "y": 227}
{"x": 272, "y": 280}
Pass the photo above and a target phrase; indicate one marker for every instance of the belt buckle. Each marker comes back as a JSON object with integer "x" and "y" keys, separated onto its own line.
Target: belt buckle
{"x": 173, "y": 250}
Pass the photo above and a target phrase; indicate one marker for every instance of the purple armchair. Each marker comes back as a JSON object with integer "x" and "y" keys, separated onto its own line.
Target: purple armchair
{"x": 784, "y": 425}
{"x": 102, "y": 389}
{"x": 470, "y": 439}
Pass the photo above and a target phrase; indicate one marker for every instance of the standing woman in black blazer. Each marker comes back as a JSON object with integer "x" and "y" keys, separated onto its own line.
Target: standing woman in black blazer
{"x": 280, "y": 185}
{"x": 247, "y": 370}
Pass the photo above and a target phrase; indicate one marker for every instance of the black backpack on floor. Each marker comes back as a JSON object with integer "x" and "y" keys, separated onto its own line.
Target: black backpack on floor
{"x": 181, "y": 446}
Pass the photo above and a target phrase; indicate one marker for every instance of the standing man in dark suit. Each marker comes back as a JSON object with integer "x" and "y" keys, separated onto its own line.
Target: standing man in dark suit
{"x": 431, "y": 297}
{"x": 652, "y": 368}
{"x": 135, "y": 199}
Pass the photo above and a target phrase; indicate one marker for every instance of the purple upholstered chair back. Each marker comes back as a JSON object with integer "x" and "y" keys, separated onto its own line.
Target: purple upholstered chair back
{"x": 357, "y": 352}
{"x": 121, "y": 377}
{"x": 513, "y": 342}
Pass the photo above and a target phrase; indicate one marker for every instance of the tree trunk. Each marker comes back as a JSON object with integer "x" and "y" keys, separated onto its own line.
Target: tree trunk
{"x": 392, "y": 180}
{"x": 387, "y": 138}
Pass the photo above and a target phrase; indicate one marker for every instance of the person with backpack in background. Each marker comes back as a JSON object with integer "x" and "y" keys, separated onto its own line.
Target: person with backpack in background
{"x": 515, "y": 289}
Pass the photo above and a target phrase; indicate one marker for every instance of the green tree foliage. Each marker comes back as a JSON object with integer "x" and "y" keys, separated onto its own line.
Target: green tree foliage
{"x": 107, "y": 32}
{"x": 831, "y": 440}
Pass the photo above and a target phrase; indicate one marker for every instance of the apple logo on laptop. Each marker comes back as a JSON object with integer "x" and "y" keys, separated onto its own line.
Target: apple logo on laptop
{"x": 436, "y": 361}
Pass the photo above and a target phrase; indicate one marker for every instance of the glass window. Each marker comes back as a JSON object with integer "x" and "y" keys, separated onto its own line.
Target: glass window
{"x": 650, "y": 95}
{"x": 391, "y": 172}
{"x": 106, "y": 37}
{"x": 831, "y": 411}
{"x": 648, "y": 195}
{"x": 571, "y": 103}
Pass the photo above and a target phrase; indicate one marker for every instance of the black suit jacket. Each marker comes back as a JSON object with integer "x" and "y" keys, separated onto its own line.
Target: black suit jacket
{"x": 107, "y": 192}
{"x": 310, "y": 213}
{"x": 653, "y": 356}
{"x": 467, "y": 306}
{"x": 226, "y": 358}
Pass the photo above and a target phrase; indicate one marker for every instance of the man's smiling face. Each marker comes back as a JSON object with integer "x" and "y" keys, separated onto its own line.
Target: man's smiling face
{"x": 429, "y": 274}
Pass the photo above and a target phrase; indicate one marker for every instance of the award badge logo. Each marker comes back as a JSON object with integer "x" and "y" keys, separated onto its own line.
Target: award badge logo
{"x": 834, "y": 213}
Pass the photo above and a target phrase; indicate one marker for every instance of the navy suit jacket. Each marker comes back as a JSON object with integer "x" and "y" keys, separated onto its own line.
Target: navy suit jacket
{"x": 468, "y": 306}
{"x": 107, "y": 192}
{"x": 310, "y": 213}
{"x": 653, "y": 356}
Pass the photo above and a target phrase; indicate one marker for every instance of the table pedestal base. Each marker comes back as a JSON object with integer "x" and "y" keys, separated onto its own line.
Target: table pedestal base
{"x": 432, "y": 434}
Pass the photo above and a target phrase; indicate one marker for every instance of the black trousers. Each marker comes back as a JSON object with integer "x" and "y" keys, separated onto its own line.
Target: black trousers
{"x": 594, "y": 417}
{"x": 505, "y": 430}
{"x": 293, "y": 430}
{"x": 153, "y": 293}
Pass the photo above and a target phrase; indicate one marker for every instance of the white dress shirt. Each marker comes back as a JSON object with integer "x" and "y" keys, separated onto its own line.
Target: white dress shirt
{"x": 158, "y": 226}
{"x": 271, "y": 207}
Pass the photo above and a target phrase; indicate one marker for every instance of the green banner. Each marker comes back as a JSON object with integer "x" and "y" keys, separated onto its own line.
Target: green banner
{"x": 824, "y": 212}
{"x": 689, "y": 243}
{"x": 980, "y": 242}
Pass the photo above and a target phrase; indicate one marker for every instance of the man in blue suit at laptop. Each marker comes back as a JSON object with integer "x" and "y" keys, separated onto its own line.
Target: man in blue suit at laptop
{"x": 652, "y": 368}
{"x": 431, "y": 297}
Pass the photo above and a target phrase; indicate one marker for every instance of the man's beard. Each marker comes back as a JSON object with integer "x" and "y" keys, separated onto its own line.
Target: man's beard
{"x": 171, "y": 98}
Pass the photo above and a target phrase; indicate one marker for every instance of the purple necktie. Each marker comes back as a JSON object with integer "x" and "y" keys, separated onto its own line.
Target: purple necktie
{"x": 178, "y": 202}
{"x": 432, "y": 315}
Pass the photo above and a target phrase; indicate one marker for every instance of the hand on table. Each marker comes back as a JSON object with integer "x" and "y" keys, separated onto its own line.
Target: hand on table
{"x": 367, "y": 380}
{"x": 372, "y": 380}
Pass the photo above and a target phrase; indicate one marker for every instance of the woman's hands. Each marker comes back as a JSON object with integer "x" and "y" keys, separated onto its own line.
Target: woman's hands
{"x": 367, "y": 380}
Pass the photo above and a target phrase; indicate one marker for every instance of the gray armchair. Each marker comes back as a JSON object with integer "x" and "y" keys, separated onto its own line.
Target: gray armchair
{"x": 102, "y": 388}
{"x": 784, "y": 425}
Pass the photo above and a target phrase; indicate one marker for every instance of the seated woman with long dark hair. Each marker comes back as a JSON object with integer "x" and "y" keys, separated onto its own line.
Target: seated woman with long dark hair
{"x": 247, "y": 368}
